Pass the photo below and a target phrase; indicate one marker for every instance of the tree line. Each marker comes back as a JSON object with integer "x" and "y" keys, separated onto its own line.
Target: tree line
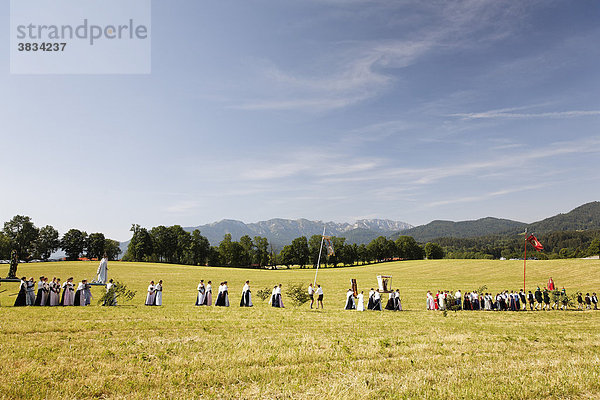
{"x": 33, "y": 243}
{"x": 559, "y": 244}
{"x": 175, "y": 245}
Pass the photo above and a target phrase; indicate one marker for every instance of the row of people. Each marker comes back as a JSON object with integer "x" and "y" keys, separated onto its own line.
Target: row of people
{"x": 204, "y": 296}
{"x": 52, "y": 293}
{"x": 353, "y": 302}
{"x": 154, "y": 294}
{"x": 505, "y": 300}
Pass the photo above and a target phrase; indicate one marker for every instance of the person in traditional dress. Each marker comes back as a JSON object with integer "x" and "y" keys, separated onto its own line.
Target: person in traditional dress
{"x": 225, "y": 294}
{"x": 523, "y": 299}
{"x": 550, "y": 284}
{"x": 579, "y": 301}
{"x": 274, "y": 299}
{"x": 513, "y": 303}
{"x": 201, "y": 293}
{"x": 594, "y": 300}
{"x": 487, "y": 300}
{"x": 530, "y": 300}
{"x": 319, "y": 296}
{"x": 311, "y": 294}
{"x": 588, "y": 301}
{"x": 79, "y": 299}
{"x": 398, "y": 300}
{"x": 102, "y": 272}
{"x": 350, "y": 300}
{"x": 111, "y": 300}
{"x": 360, "y": 306}
{"x": 151, "y": 294}
{"x": 429, "y": 302}
{"x": 21, "y": 300}
{"x": 441, "y": 301}
{"x": 546, "y": 294}
{"x": 391, "y": 303}
{"x": 158, "y": 288}
{"x": 538, "y": 298}
{"x": 371, "y": 303}
{"x": 208, "y": 294}
{"x": 30, "y": 292}
{"x": 46, "y": 289}
{"x": 564, "y": 299}
{"x": 55, "y": 293}
{"x": 68, "y": 293}
{"x": 279, "y": 297}
{"x": 246, "y": 300}
{"x": 87, "y": 293}
{"x": 377, "y": 301}
{"x": 40, "y": 292}
{"x": 219, "y": 302}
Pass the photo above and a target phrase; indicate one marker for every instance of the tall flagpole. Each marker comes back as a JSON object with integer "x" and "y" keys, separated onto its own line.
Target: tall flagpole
{"x": 319, "y": 259}
{"x": 525, "y": 260}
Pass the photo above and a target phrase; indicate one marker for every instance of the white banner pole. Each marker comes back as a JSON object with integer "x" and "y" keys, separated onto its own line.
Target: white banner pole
{"x": 319, "y": 259}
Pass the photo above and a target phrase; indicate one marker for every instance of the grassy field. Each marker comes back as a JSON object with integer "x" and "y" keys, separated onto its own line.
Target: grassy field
{"x": 182, "y": 351}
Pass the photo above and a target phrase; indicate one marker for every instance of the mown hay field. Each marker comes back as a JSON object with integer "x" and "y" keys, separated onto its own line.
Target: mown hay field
{"x": 182, "y": 351}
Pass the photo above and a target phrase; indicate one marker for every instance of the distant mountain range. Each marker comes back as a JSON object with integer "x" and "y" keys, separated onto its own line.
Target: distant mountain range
{"x": 583, "y": 217}
{"x": 282, "y": 231}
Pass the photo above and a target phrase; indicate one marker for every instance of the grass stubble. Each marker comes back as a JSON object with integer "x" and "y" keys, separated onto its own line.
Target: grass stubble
{"x": 183, "y": 351}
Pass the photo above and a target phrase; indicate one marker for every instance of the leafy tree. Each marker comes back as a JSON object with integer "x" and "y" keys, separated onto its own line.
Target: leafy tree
{"x": 164, "y": 243}
{"x": 112, "y": 249}
{"x": 141, "y": 246}
{"x": 594, "y": 248}
{"x": 47, "y": 242}
{"x": 382, "y": 248}
{"x": 73, "y": 243}
{"x": 95, "y": 245}
{"x": 23, "y": 234}
{"x": 300, "y": 252}
{"x": 5, "y": 247}
{"x": 408, "y": 248}
{"x": 199, "y": 248}
{"x": 363, "y": 254}
{"x": 214, "y": 256}
{"x": 286, "y": 256}
{"x": 314, "y": 245}
{"x": 183, "y": 241}
{"x": 261, "y": 251}
{"x": 434, "y": 251}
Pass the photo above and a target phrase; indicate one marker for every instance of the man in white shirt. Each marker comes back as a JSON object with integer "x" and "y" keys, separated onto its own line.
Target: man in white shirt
{"x": 320, "y": 296}
{"x": 458, "y": 298}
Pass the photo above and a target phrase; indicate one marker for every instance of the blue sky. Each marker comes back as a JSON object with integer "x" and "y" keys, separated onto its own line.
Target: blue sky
{"x": 331, "y": 110}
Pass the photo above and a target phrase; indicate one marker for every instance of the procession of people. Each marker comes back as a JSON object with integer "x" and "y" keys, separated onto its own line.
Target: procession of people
{"x": 550, "y": 298}
{"x": 52, "y": 293}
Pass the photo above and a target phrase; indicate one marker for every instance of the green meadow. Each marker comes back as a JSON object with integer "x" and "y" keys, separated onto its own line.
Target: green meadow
{"x": 182, "y": 351}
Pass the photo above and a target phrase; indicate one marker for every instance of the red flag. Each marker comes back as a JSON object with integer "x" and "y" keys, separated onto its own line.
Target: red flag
{"x": 535, "y": 243}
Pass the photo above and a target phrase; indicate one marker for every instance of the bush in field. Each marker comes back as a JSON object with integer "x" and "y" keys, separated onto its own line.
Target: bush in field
{"x": 297, "y": 293}
{"x": 118, "y": 290}
{"x": 263, "y": 294}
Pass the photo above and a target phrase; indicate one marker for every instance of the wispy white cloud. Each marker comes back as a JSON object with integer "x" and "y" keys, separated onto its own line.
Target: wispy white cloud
{"x": 355, "y": 71}
{"x": 513, "y": 115}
